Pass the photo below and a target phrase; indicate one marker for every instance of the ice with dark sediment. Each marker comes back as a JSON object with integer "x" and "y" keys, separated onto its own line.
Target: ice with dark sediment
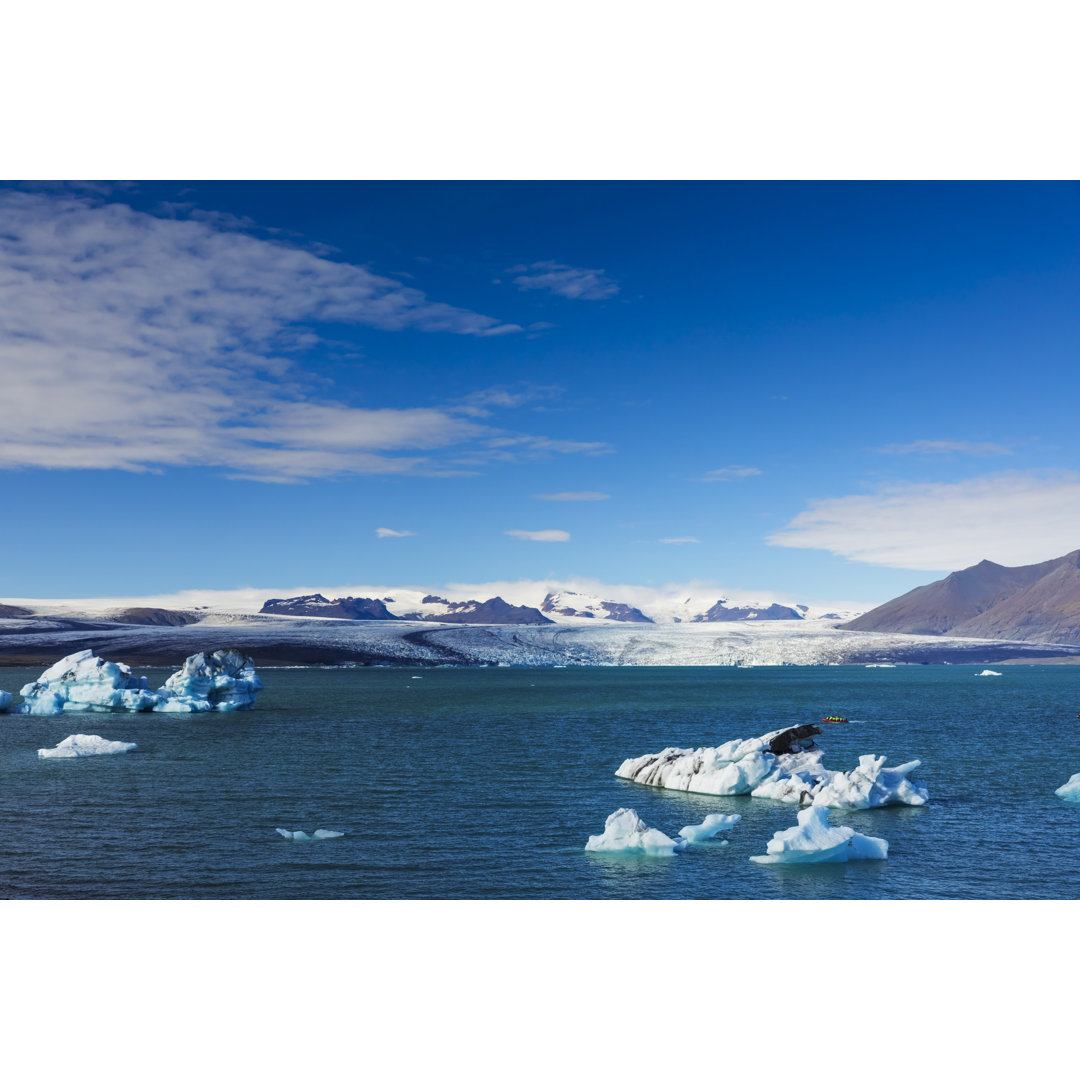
{"x": 814, "y": 840}
{"x": 82, "y": 682}
{"x": 759, "y": 767}
{"x": 86, "y": 746}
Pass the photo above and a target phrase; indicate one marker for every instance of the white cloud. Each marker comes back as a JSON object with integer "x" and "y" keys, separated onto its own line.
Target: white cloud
{"x": 731, "y": 472}
{"x": 574, "y": 496}
{"x": 382, "y": 534}
{"x": 573, "y": 282}
{"x": 945, "y": 446}
{"x": 680, "y": 540}
{"x": 129, "y": 341}
{"x": 1011, "y": 518}
{"x": 547, "y": 535}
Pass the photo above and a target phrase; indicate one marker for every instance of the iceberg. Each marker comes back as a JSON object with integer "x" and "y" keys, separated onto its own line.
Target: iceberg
{"x": 86, "y": 746}
{"x": 224, "y": 681}
{"x": 814, "y": 840}
{"x": 713, "y": 824}
{"x": 986, "y": 671}
{"x": 299, "y": 834}
{"x": 82, "y": 682}
{"x": 1070, "y": 790}
{"x": 5, "y": 700}
{"x": 625, "y": 833}
{"x": 784, "y": 765}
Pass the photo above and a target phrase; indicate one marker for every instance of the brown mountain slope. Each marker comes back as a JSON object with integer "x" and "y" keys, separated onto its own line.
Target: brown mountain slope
{"x": 1040, "y": 602}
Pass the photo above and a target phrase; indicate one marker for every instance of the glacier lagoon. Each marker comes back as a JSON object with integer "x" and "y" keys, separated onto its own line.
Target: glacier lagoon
{"x": 487, "y": 783}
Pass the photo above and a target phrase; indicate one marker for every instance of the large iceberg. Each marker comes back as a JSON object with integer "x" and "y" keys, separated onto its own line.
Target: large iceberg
{"x": 784, "y": 765}
{"x": 814, "y": 840}
{"x": 625, "y": 833}
{"x": 86, "y": 746}
{"x": 224, "y": 680}
{"x": 82, "y": 682}
{"x": 1070, "y": 790}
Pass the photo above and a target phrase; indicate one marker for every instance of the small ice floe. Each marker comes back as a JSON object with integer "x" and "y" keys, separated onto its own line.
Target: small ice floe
{"x": 713, "y": 824}
{"x": 1070, "y": 790}
{"x": 814, "y": 840}
{"x": 319, "y": 834}
{"x": 86, "y": 746}
{"x": 416, "y": 676}
{"x": 986, "y": 671}
{"x": 784, "y": 765}
{"x": 625, "y": 833}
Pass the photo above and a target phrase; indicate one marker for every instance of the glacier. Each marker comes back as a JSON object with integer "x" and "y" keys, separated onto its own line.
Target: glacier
{"x": 1070, "y": 790}
{"x": 86, "y": 746}
{"x": 784, "y": 765}
{"x": 625, "y": 833}
{"x": 82, "y": 682}
{"x": 814, "y": 840}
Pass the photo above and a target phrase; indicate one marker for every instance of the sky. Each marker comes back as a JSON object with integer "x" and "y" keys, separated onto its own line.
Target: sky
{"x": 819, "y": 391}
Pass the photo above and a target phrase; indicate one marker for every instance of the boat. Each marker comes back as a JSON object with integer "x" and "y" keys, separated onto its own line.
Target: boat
{"x": 833, "y": 720}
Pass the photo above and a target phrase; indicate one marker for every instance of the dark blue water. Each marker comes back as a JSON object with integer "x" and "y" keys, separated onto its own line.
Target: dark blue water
{"x": 472, "y": 783}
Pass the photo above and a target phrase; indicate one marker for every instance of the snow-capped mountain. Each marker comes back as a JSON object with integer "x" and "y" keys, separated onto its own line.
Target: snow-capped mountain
{"x": 574, "y": 605}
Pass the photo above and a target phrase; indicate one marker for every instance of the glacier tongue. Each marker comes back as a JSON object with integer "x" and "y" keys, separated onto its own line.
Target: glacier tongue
{"x": 749, "y": 767}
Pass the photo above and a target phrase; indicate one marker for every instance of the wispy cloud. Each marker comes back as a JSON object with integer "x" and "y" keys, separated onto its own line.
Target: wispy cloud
{"x": 132, "y": 341}
{"x": 383, "y": 534}
{"x": 1010, "y": 518}
{"x": 481, "y": 402}
{"x": 945, "y": 446}
{"x": 573, "y": 282}
{"x": 680, "y": 540}
{"x": 574, "y": 496}
{"x": 731, "y": 472}
{"x": 544, "y": 535}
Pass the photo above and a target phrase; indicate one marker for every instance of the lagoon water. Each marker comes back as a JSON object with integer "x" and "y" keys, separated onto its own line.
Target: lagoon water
{"x": 487, "y": 782}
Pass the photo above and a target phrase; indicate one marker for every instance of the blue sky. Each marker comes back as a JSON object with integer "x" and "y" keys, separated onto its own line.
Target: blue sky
{"x": 829, "y": 391}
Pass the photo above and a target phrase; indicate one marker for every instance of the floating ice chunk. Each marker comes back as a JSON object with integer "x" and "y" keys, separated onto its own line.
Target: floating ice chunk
{"x": 86, "y": 746}
{"x": 83, "y": 682}
{"x": 625, "y": 832}
{"x": 987, "y": 671}
{"x": 713, "y": 824}
{"x": 224, "y": 680}
{"x": 814, "y": 840}
{"x": 749, "y": 767}
{"x": 5, "y": 701}
{"x": 1070, "y": 790}
{"x": 320, "y": 834}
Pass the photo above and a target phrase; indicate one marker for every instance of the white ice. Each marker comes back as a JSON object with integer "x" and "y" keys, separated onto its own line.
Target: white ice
{"x": 625, "y": 833}
{"x": 83, "y": 682}
{"x": 320, "y": 834}
{"x": 224, "y": 680}
{"x": 814, "y": 840}
{"x": 1070, "y": 790}
{"x": 86, "y": 746}
{"x": 987, "y": 671}
{"x": 747, "y": 767}
{"x": 713, "y": 824}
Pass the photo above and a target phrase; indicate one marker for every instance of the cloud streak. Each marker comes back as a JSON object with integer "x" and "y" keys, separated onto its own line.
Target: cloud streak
{"x": 574, "y": 496}
{"x": 542, "y": 535}
{"x": 385, "y": 534}
{"x": 135, "y": 342}
{"x": 945, "y": 446}
{"x": 572, "y": 282}
{"x": 730, "y": 472}
{"x": 1009, "y": 518}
